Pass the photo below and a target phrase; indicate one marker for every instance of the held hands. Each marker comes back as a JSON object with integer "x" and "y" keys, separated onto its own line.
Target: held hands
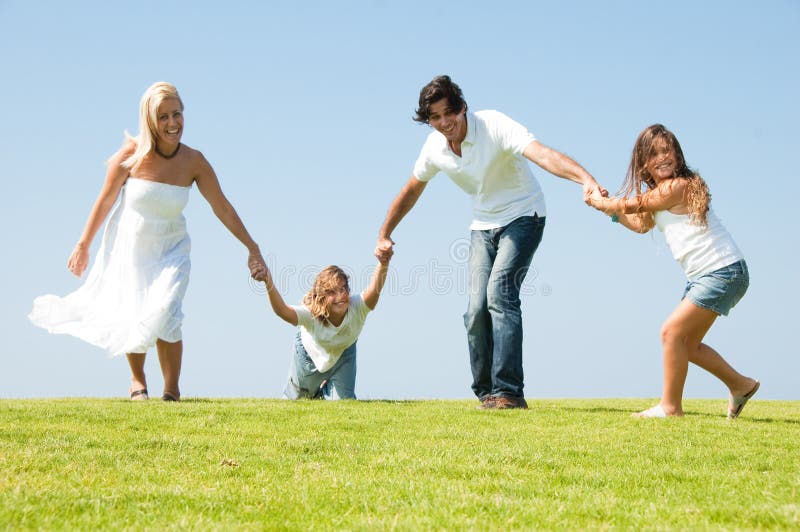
{"x": 384, "y": 250}
{"x": 78, "y": 260}
{"x": 385, "y": 256}
{"x": 595, "y": 196}
{"x": 593, "y": 188}
{"x": 258, "y": 268}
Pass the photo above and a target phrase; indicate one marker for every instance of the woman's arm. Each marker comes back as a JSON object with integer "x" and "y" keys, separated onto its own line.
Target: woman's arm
{"x": 209, "y": 187}
{"x": 373, "y": 291}
{"x": 281, "y": 309}
{"x": 115, "y": 179}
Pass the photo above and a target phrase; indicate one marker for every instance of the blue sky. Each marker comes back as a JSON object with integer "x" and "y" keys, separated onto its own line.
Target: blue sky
{"x": 304, "y": 110}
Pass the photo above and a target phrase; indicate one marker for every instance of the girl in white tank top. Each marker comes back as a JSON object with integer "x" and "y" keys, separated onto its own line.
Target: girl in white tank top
{"x": 660, "y": 190}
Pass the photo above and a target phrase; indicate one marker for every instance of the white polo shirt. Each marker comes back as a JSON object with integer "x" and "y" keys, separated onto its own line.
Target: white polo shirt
{"x": 491, "y": 169}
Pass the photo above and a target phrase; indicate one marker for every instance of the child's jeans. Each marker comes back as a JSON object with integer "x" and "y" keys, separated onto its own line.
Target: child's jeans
{"x": 305, "y": 381}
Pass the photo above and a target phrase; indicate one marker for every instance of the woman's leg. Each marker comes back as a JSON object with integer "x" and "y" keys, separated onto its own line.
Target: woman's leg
{"x": 170, "y": 355}
{"x": 138, "y": 379}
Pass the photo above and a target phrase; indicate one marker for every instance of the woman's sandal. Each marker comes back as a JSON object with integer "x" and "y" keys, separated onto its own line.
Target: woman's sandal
{"x": 169, "y": 397}
{"x": 736, "y": 403}
{"x": 139, "y": 395}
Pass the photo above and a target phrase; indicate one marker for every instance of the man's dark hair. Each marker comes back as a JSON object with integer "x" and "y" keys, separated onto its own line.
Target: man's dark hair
{"x": 439, "y": 87}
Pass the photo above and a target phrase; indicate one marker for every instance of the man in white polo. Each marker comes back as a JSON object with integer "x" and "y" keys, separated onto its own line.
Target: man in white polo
{"x": 485, "y": 154}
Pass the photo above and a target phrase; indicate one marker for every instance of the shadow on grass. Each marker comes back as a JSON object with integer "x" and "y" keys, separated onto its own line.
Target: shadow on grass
{"x": 748, "y": 419}
{"x": 184, "y": 400}
{"x": 773, "y": 420}
{"x": 597, "y": 409}
{"x": 605, "y": 409}
{"x": 406, "y": 401}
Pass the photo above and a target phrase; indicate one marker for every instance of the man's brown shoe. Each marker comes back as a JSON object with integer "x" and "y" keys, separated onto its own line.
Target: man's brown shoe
{"x": 503, "y": 403}
{"x": 487, "y": 403}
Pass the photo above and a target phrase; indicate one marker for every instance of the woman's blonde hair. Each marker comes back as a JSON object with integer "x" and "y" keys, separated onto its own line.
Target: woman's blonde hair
{"x": 148, "y": 120}
{"x": 328, "y": 280}
{"x": 638, "y": 180}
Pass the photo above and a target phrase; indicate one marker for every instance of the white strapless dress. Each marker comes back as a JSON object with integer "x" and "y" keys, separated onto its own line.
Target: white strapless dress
{"x": 134, "y": 291}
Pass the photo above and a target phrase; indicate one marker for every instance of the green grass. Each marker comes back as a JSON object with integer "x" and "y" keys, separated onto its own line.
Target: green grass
{"x": 271, "y": 464}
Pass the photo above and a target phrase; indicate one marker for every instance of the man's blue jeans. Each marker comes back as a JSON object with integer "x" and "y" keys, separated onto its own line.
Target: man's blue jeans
{"x": 499, "y": 260}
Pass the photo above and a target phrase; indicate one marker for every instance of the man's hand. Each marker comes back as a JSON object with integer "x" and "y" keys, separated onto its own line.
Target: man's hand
{"x": 590, "y": 189}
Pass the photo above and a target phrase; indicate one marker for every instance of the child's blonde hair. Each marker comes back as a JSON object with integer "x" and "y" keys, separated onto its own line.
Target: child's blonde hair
{"x": 698, "y": 197}
{"x": 328, "y": 280}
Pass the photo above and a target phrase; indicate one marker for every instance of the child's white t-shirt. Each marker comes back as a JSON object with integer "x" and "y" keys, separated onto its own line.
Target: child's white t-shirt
{"x": 325, "y": 343}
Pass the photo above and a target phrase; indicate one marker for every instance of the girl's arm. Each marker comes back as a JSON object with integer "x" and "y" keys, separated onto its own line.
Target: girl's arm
{"x": 209, "y": 187}
{"x": 115, "y": 178}
{"x": 373, "y": 292}
{"x": 637, "y": 213}
{"x": 640, "y": 222}
{"x": 281, "y": 309}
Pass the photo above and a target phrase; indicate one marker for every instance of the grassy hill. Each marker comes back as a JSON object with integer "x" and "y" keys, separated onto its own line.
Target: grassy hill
{"x": 408, "y": 465}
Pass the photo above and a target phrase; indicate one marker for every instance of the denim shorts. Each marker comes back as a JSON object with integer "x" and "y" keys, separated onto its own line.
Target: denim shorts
{"x": 720, "y": 290}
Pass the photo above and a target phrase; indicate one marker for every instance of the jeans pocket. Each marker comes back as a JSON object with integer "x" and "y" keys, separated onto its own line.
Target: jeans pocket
{"x": 722, "y": 278}
{"x": 727, "y": 276}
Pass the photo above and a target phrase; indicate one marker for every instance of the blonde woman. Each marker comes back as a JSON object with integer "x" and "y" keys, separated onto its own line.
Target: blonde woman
{"x": 131, "y": 299}
{"x": 330, "y": 319}
{"x": 661, "y": 190}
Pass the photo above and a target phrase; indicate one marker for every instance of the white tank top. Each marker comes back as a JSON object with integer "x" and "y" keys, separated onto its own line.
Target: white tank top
{"x": 699, "y": 249}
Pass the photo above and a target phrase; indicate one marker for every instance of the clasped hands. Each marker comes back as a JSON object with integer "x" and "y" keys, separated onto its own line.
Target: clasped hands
{"x": 384, "y": 249}
{"x": 257, "y": 266}
{"x": 593, "y": 196}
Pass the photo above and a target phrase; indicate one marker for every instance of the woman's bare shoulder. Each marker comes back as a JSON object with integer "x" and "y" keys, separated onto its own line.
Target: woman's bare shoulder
{"x": 193, "y": 156}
